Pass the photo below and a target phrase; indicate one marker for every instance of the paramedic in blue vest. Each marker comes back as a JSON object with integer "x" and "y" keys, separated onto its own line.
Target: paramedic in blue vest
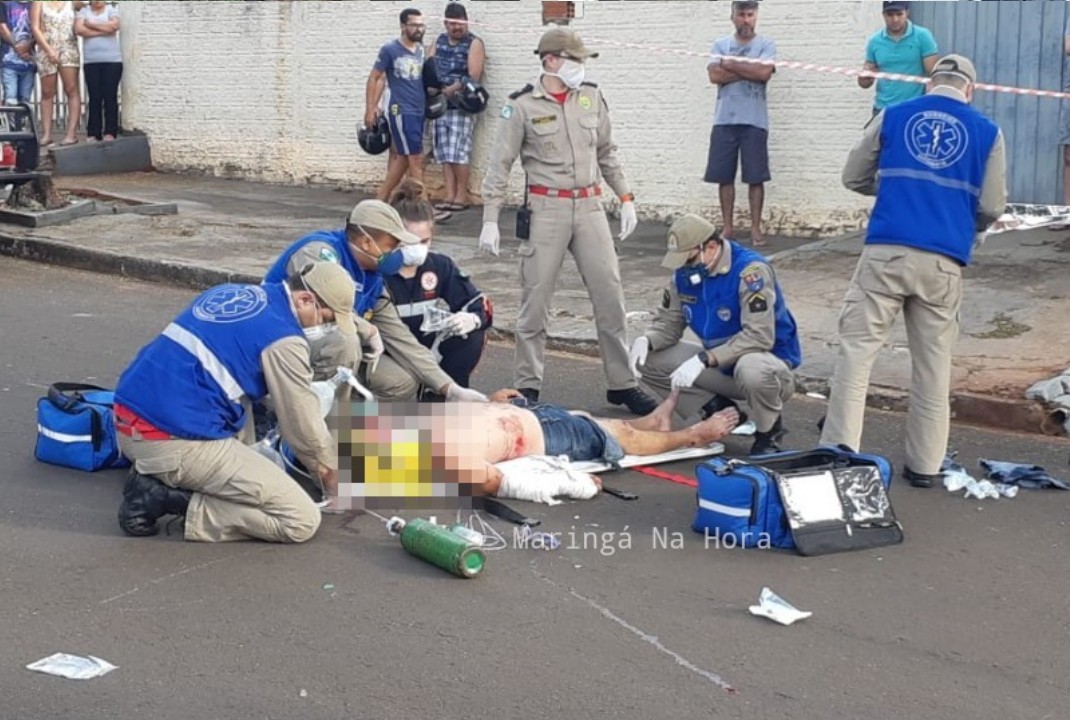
{"x": 386, "y": 356}
{"x": 729, "y": 297}
{"x": 458, "y": 56}
{"x": 432, "y": 280}
{"x": 183, "y": 407}
{"x": 938, "y": 169}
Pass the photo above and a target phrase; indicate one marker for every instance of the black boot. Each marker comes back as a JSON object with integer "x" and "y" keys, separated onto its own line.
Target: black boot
{"x": 637, "y": 401}
{"x": 768, "y": 441}
{"x": 146, "y": 500}
{"x": 718, "y": 403}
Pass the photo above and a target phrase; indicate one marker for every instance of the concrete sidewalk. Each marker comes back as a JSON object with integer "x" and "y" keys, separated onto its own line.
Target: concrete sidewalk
{"x": 1015, "y": 315}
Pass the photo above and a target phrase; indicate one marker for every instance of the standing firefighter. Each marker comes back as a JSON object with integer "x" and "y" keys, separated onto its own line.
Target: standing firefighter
{"x": 559, "y": 127}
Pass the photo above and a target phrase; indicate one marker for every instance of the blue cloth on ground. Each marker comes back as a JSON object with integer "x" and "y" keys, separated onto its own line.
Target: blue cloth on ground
{"x": 1022, "y": 475}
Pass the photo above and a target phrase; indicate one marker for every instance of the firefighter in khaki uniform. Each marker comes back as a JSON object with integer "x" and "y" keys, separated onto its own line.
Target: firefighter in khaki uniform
{"x": 729, "y": 297}
{"x": 560, "y": 129}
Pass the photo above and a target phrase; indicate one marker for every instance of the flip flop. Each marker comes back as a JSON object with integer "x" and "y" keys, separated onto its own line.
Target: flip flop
{"x": 443, "y": 215}
{"x": 457, "y": 207}
{"x": 443, "y": 206}
{"x": 47, "y": 143}
{"x": 68, "y": 143}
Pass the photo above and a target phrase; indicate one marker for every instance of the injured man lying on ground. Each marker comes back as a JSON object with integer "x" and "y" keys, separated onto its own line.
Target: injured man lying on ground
{"x": 413, "y": 455}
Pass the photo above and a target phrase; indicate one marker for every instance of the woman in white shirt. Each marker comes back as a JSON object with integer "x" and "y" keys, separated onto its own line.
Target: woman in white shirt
{"x": 98, "y": 24}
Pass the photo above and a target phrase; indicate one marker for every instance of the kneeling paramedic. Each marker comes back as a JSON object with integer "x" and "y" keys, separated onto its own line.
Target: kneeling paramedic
{"x": 729, "y": 297}
{"x": 369, "y": 249}
{"x": 185, "y": 399}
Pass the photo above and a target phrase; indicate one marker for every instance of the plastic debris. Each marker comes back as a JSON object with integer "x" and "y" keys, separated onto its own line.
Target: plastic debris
{"x": 72, "y": 667}
{"x": 747, "y": 428}
{"x": 538, "y": 540}
{"x": 772, "y": 606}
{"x": 957, "y": 479}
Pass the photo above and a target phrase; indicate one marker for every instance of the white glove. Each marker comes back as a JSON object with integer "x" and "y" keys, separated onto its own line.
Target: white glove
{"x": 461, "y": 323}
{"x": 374, "y": 341}
{"x": 490, "y": 238}
{"x": 456, "y": 393}
{"x": 685, "y": 375}
{"x": 628, "y": 220}
{"x": 637, "y": 355}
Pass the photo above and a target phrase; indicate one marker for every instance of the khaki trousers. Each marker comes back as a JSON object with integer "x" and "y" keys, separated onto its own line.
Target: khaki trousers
{"x": 238, "y": 494}
{"x": 389, "y": 382}
{"x": 763, "y": 380}
{"x": 927, "y": 288}
{"x": 580, "y": 227}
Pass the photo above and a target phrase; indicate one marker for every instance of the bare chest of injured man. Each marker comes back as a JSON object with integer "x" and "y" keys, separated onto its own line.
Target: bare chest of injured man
{"x": 492, "y": 432}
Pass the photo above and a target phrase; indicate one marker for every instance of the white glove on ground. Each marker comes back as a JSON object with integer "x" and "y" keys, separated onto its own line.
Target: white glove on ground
{"x": 375, "y": 351}
{"x": 490, "y": 238}
{"x": 541, "y": 478}
{"x": 685, "y": 375}
{"x": 637, "y": 355}
{"x": 456, "y": 393}
{"x": 461, "y": 323}
{"x": 628, "y": 220}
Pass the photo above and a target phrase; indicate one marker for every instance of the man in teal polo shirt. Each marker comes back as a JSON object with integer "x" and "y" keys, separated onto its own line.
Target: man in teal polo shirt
{"x": 901, "y": 47}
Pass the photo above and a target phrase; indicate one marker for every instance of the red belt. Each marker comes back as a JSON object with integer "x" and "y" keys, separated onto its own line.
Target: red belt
{"x": 584, "y": 192}
{"x": 127, "y": 423}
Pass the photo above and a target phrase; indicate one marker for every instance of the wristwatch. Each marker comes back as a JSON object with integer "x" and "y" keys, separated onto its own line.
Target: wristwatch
{"x": 707, "y": 359}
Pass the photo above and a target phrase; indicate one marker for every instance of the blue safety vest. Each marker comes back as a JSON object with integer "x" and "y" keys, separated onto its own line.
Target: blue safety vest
{"x": 369, "y": 283}
{"x": 934, "y": 150}
{"x": 712, "y": 308}
{"x": 189, "y": 381}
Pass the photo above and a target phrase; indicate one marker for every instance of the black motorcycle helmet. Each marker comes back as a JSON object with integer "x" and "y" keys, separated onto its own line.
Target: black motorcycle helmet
{"x": 375, "y": 140}
{"x": 436, "y": 106}
{"x": 472, "y": 97}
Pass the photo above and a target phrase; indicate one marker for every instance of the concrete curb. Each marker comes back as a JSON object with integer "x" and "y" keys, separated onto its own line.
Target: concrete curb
{"x": 966, "y": 408}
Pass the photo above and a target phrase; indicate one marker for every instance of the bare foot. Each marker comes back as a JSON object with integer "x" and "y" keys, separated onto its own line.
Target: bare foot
{"x": 715, "y": 427}
{"x": 661, "y": 419}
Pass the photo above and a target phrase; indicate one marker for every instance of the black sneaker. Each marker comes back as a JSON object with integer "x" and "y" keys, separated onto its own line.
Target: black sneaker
{"x": 920, "y": 481}
{"x": 637, "y": 401}
{"x": 718, "y": 403}
{"x": 146, "y": 500}
{"x": 530, "y": 394}
{"x": 769, "y": 441}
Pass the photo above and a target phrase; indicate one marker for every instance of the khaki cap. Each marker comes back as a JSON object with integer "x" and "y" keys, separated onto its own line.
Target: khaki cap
{"x": 377, "y": 215}
{"x": 333, "y": 284}
{"x": 956, "y": 65}
{"x": 559, "y": 41}
{"x": 685, "y": 235}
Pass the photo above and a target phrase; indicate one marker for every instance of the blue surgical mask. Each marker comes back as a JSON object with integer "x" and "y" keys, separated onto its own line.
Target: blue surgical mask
{"x": 387, "y": 263}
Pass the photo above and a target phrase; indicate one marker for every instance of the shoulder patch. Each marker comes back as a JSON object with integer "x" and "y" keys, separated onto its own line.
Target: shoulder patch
{"x": 757, "y": 303}
{"x": 328, "y": 254}
{"x": 522, "y": 91}
{"x": 666, "y": 299}
{"x": 507, "y": 111}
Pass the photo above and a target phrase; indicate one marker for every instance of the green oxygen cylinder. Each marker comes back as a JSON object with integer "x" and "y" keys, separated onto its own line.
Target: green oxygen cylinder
{"x": 439, "y": 546}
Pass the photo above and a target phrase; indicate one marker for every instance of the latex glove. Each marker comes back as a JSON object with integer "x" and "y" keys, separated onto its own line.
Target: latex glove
{"x": 628, "y": 220}
{"x": 490, "y": 238}
{"x": 637, "y": 355}
{"x": 374, "y": 341}
{"x": 460, "y": 324}
{"x": 685, "y": 375}
{"x": 456, "y": 393}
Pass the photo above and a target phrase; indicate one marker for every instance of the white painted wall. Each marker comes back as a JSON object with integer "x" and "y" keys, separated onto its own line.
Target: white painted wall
{"x": 274, "y": 90}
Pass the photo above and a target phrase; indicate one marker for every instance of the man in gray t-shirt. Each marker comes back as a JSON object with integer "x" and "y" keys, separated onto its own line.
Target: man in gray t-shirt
{"x": 741, "y": 121}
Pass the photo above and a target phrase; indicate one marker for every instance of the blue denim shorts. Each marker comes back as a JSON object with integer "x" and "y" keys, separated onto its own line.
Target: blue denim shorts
{"x": 577, "y": 436}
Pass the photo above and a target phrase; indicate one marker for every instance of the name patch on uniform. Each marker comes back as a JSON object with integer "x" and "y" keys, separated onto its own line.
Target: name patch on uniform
{"x": 585, "y": 102}
{"x": 666, "y": 299}
{"x": 724, "y": 314}
{"x": 543, "y": 119}
{"x": 688, "y": 299}
{"x": 429, "y": 281}
{"x": 757, "y": 304}
{"x": 507, "y": 111}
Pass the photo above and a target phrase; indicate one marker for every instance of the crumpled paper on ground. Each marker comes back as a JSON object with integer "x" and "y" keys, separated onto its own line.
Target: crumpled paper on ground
{"x": 72, "y": 667}
{"x": 542, "y": 478}
{"x": 1055, "y": 393}
{"x": 772, "y": 606}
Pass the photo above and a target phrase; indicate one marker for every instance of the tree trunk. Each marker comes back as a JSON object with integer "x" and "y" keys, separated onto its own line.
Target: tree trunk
{"x": 38, "y": 193}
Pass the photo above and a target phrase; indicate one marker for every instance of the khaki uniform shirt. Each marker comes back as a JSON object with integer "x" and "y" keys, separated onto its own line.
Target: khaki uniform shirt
{"x": 398, "y": 340}
{"x": 288, "y": 373}
{"x": 563, "y": 147}
{"x": 757, "y": 312}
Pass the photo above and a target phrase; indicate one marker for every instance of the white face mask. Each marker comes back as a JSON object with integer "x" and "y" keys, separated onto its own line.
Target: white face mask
{"x": 415, "y": 254}
{"x": 318, "y": 332}
{"x": 571, "y": 73}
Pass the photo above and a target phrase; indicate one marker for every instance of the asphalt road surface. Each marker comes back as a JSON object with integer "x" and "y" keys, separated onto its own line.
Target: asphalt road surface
{"x": 969, "y": 618}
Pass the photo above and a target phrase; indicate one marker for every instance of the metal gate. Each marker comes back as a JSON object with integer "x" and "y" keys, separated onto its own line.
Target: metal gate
{"x": 1018, "y": 44}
